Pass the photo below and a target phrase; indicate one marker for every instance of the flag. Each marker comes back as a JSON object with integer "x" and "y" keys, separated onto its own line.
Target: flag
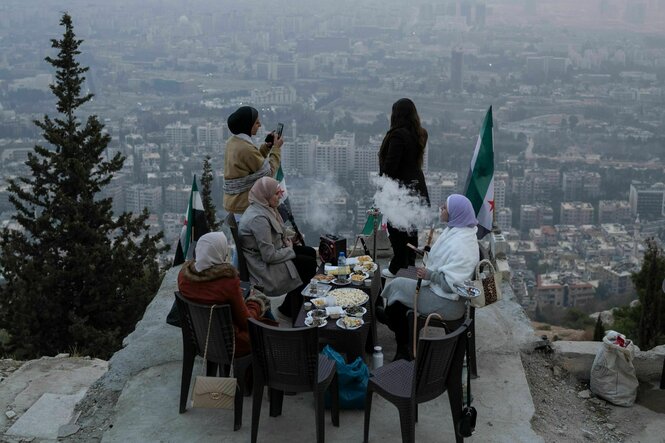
{"x": 480, "y": 180}
{"x": 194, "y": 227}
{"x": 368, "y": 229}
{"x": 282, "y": 182}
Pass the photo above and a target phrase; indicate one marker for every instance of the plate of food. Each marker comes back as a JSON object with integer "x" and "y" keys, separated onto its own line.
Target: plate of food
{"x": 321, "y": 290}
{"x": 367, "y": 266}
{"x": 347, "y": 297}
{"x": 323, "y": 278}
{"x": 358, "y": 279}
{"x": 350, "y": 323}
{"x": 316, "y": 321}
{"x": 339, "y": 283}
{"x": 364, "y": 259}
{"x": 355, "y": 311}
{"x": 319, "y": 303}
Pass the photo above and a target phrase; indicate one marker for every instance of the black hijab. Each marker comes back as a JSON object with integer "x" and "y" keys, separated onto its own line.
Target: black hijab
{"x": 242, "y": 120}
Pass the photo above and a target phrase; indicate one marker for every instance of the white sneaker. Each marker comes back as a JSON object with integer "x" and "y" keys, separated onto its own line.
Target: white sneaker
{"x": 387, "y": 274}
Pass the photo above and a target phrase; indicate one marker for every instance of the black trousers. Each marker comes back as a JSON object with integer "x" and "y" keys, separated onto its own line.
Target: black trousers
{"x": 306, "y": 265}
{"x": 403, "y": 256}
{"x": 398, "y": 323}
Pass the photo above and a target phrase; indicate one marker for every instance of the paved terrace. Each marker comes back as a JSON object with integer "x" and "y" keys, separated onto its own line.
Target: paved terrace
{"x": 146, "y": 373}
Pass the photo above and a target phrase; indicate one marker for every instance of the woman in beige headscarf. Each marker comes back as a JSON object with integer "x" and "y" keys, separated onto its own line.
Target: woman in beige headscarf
{"x": 210, "y": 279}
{"x": 273, "y": 261}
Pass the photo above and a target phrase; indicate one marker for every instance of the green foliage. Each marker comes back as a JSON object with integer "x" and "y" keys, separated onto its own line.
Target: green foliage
{"x": 599, "y": 330}
{"x": 626, "y": 321}
{"x": 76, "y": 277}
{"x": 574, "y": 318}
{"x": 648, "y": 283}
{"x": 206, "y": 196}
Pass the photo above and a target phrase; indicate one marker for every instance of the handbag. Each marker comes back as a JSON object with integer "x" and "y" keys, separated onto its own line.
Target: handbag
{"x": 432, "y": 331}
{"x": 214, "y": 392}
{"x": 467, "y": 423}
{"x": 489, "y": 286}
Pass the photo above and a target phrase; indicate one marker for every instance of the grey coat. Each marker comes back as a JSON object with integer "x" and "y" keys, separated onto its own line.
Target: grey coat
{"x": 269, "y": 262}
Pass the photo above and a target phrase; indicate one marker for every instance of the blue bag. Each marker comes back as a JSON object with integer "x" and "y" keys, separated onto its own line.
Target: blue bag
{"x": 352, "y": 379}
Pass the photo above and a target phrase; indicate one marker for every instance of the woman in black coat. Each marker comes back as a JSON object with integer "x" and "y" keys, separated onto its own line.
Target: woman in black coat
{"x": 401, "y": 158}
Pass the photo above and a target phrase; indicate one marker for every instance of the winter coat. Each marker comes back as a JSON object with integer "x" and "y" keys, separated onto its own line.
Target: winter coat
{"x": 269, "y": 261}
{"x": 220, "y": 284}
{"x": 401, "y": 162}
{"x": 241, "y": 159}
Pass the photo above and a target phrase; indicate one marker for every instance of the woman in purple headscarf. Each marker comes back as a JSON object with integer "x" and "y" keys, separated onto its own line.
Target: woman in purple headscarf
{"x": 453, "y": 259}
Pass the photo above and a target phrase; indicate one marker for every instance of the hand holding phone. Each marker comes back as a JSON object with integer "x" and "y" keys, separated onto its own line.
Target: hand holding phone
{"x": 270, "y": 138}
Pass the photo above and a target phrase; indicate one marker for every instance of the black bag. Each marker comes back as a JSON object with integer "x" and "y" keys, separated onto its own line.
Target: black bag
{"x": 173, "y": 317}
{"x": 467, "y": 424}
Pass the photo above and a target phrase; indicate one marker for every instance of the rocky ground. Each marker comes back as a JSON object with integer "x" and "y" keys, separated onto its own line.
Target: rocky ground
{"x": 566, "y": 410}
{"x": 7, "y": 366}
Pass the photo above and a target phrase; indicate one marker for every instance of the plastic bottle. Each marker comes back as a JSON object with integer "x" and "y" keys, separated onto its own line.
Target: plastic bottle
{"x": 341, "y": 264}
{"x": 377, "y": 357}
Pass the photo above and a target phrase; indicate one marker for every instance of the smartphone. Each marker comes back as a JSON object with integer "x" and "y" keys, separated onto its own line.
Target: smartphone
{"x": 278, "y": 131}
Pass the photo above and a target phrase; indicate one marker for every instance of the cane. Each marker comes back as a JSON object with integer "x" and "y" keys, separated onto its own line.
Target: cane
{"x": 415, "y": 297}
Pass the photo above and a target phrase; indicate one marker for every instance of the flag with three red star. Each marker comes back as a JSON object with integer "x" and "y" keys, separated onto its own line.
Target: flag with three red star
{"x": 480, "y": 180}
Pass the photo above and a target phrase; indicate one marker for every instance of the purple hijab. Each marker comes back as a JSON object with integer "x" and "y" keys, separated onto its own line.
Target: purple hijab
{"x": 460, "y": 212}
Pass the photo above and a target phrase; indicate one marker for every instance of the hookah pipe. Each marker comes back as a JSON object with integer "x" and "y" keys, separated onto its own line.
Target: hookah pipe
{"x": 415, "y": 296}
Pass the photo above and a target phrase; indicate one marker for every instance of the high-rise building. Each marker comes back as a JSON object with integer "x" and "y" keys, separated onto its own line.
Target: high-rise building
{"x": 580, "y": 185}
{"x": 504, "y": 218}
{"x": 366, "y": 159}
{"x": 336, "y": 156}
{"x": 178, "y": 134}
{"x": 440, "y": 185}
{"x": 576, "y": 213}
{"x": 647, "y": 201}
{"x": 210, "y": 135}
{"x": 140, "y": 196}
{"x": 614, "y": 211}
{"x": 176, "y": 198}
{"x": 535, "y": 216}
{"x": 298, "y": 155}
{"x": 456, "y": 64}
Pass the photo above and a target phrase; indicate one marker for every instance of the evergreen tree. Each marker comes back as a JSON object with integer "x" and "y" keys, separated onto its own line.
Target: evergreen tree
{"x": 76, "y": 277}
{"x": 206, "y": 195}
{"x": 648, "y": 283}
{"x": 599, "y": 330}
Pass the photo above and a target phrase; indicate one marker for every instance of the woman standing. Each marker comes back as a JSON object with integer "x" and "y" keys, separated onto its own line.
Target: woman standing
{"x": 453, "y": 259}
{"x": 401, "y": 158}
{"x": 244, "y": 163}
{"x": 273, "y": 261}
{"x": 210, "y": 279}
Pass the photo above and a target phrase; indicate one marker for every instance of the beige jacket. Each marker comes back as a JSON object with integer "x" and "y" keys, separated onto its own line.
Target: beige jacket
{"x": 241, "y": 159}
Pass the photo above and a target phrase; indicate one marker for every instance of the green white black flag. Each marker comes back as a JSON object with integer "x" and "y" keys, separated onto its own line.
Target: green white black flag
{"x": 480, "y": 181}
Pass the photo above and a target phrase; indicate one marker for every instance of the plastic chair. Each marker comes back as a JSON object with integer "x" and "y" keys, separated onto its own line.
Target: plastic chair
{"x": 437, "y": 368}
{"x": 242, "y": 262}
{"x": 194, "y": 319}
{"x": 449, "y": 326}
{"x": 289, "y": 360}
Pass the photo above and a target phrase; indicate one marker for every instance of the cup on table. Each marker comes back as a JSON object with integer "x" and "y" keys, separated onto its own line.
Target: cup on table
{"x": 307, "y": 305}
{"x": 313, "y": 287}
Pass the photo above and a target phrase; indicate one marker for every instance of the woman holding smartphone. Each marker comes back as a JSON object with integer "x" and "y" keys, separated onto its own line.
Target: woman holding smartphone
{"x": 401, "y": 159}
{"x": 244, "y": 163}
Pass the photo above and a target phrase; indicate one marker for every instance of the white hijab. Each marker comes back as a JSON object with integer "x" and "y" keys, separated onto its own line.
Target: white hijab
{"x": 211, "y": 249}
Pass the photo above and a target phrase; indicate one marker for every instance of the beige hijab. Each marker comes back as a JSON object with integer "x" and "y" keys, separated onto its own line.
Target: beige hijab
{"x": 211, "y": 249}
{"x": 262, "y": 191}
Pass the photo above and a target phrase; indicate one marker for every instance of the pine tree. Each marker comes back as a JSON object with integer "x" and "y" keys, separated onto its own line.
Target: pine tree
{"x": 206, "y": 195}
{"x": 648, "y": 283}
{"x": 76, "y": 277}
{"x": 599, "y": 330}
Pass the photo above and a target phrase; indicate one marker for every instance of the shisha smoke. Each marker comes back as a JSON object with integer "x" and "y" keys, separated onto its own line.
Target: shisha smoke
{"x": 401, "y": 207}
{"x": 321, "y": 215}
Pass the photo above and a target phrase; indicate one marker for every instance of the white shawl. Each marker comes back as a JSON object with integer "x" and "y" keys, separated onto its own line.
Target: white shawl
{"x": 456, "y": 254}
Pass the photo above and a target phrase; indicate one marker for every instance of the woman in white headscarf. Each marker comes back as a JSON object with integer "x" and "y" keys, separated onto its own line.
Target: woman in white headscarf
{"x": 273, "y": 261}
{"x": 210, "y": 279}
{"x": 453, "y": 259}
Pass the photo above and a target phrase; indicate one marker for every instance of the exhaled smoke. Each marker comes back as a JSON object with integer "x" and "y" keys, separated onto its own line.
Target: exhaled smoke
{"x": 401, "y": 207}
{"x": 326, "y": 205}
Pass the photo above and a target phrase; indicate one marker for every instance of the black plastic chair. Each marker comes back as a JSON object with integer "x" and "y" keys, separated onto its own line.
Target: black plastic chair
{"x": 242, "y": 262}
{"x": 289, "y": 360}
{"x": 449, "y": 326}
{"x": 194, "y": 318}
{"x": 437, "y": 368}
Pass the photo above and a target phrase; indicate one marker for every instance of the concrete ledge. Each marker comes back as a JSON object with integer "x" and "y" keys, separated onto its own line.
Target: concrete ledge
{"x": 577, "y": 357}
